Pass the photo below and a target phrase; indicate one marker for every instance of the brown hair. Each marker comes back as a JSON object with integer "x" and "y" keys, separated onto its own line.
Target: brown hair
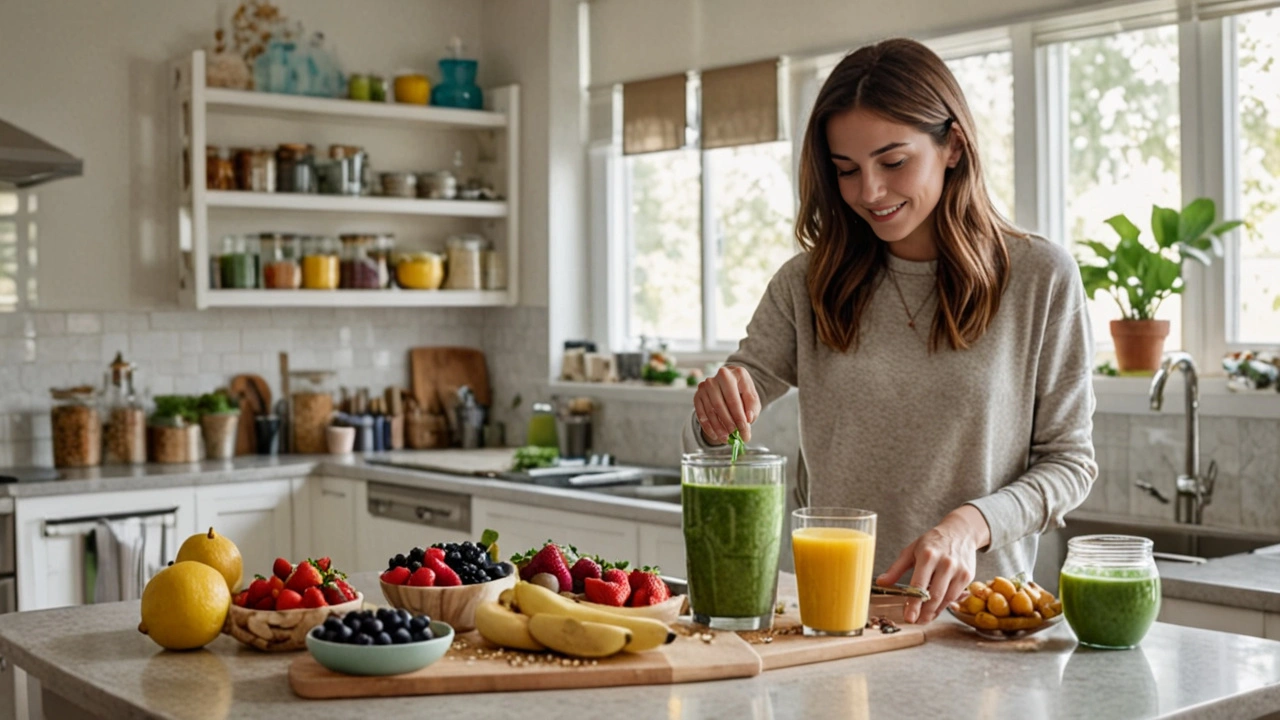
{"x": 904, "y": 82}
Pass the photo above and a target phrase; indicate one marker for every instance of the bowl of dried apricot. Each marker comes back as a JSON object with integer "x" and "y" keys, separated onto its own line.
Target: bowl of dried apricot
{"x": 1005, "y": 609}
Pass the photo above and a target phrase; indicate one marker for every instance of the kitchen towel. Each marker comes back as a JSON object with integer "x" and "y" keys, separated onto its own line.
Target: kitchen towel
{"x": 124, "y": 558}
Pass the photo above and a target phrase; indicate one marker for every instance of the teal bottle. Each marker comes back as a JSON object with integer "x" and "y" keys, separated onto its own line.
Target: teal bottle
{"x": 458, "y": 87}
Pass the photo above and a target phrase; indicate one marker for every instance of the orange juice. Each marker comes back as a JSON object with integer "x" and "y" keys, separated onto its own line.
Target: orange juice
{"x": 833, "y": 576}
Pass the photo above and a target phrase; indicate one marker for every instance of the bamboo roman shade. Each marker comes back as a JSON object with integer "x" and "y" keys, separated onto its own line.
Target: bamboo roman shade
{"x": 654, "y": 115}
{"x": 740, "y": 105}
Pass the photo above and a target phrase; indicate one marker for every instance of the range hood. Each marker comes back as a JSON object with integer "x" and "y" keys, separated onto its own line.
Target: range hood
{"x": 26, "y": 160}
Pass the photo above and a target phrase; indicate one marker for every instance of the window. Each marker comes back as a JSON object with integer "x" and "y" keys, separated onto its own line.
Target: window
{"x": 1122, "y": 145}
{"x": 987, "y": 82}
{"x": 17, "y": 249}
{"x": 747, "y": 195}
{"x": 1257, "y": 267}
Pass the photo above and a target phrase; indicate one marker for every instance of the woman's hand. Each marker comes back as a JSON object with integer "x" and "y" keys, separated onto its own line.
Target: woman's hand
{"x": 725, "y": 402}
{"x": 944, "y": 559}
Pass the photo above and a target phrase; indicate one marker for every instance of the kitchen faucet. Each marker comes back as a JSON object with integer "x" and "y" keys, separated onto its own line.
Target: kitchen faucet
{"x": 1193, "y": 491}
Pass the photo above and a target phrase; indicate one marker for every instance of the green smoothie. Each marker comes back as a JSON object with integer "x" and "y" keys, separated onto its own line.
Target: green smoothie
{"x": 731, "y": 536}
{"x": 1109, "y": 608}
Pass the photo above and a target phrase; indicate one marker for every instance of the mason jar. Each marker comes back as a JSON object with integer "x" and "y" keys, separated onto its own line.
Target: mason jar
{"x": 320, "y": 265}
{"x": 1110, "y": 589}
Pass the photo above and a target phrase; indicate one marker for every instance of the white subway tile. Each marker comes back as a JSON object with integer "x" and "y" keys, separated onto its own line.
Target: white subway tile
{"x": 344, "y": 358}
{"x": 210, "y": 363}
{"x": 154, "y": 345}
{"x": 84, "y": 323}
{"x": 220, "y": 341}
{"x": 49, "y": 323}
{"x": 192, "y": 343}
{"x": 266, "y": 339}
{"x": 237, "y": 363}
{"x": 114, "y": 342}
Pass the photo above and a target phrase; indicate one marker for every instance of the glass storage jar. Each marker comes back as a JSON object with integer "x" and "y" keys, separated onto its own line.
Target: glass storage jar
{"x": 462, "y": 262}
{"x": 384, "y": 247}
{"x": 125, "y": 429}
{"x": 238, "y": 262}
{"x": 1110, "y": 589}
{"x": 312, "y": 402}
{"x": 77, "y": 427}
{"x": 419, "y": 270}
{"x": 295, "y": 168}
{"x": 359, "y": 270}
{"x": 256, "y": 169}
{"x": 220, "y": 172}
{"x": 320, "y": 264}
{"x": 281, "y": 261}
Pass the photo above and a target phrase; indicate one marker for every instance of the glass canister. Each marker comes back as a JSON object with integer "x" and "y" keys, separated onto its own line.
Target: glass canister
{"x": 238, "y": 262}
{"x": 1110, "y": 589}
{"x": 437, "y": 185}
{"x": 419, "y": 270}
{"x": 542, "y": 427}
{"x": 281, "y": 261}
{"x": 384, "y": 247}
{"x": 77, "y": 427}
{"x": 377, "y": 88}
{"x": 733, "y": 518}
{"x": 312, "y": 402}
{"x": 462, "y": 263}
{"x": 256, "y": 169}
{"x": 219, "y": 170}
{"x": 359, "y": 270}
{"x": 295, "y": 168}
{"x": 126, "y": 425}
{"x": 320, "y": 265}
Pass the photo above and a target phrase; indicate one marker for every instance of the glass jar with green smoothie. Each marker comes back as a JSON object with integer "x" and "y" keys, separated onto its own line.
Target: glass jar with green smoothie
{"x": 733, "y": 512}
{"x": 1110, "y": 589}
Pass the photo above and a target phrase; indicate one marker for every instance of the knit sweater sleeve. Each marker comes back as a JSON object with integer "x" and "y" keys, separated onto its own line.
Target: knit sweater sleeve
{"x": 1061, "y": 466}
{"x": 768, "y": 352}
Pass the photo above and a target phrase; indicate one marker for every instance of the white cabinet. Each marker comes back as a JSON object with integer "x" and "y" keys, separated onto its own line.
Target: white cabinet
{"x": 256, "y": 516}
{"x": 393, "y": 519}
{"x": 663, "y": 546}
{"x": 1190, "y": 613}
{"x": 334, "y": 502}
{"x": 50, "y": 534}
{"x": 1271, "y": 626}
{"x": 524, "y": 526}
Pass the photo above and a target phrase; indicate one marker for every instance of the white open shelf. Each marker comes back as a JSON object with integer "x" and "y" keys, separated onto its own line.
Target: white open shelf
{"x": 350, "y": 204}
{"x": 196, "y": 104}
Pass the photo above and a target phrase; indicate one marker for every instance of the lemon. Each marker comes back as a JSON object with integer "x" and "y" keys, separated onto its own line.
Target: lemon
{"x": 185, "y": 605}
{"x": 217, "y": 552}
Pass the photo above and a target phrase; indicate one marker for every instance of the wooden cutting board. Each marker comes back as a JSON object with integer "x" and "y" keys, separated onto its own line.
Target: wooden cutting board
{"x": 484, "y": 462}
{"x": 438, "y": 372}
{"x": 788, "y": 649}
{"x": 254, "y": 395}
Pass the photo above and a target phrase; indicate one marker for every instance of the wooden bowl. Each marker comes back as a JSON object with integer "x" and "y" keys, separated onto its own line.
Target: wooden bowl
{"x": 453, "y": 605}
{"x": 281, "y": 630}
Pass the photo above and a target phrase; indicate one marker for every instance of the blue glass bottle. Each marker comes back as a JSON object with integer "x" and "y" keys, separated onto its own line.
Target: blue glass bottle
{"x": 458, "y": 86}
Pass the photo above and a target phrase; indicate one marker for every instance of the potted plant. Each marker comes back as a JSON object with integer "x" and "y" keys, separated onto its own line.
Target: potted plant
{"x": 1140, "y": 276}
{"x": 173, "y": 430}
{"x": 219, "y": 418}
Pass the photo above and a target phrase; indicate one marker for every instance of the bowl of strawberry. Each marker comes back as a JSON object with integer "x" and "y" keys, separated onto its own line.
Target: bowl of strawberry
{"x": 448, "y": 580}
{"x": 274, "y": 614}
{"x": 562, "y": 569}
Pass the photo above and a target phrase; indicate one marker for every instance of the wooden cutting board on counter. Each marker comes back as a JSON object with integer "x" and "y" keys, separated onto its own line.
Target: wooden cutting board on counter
{"x": 483, "y": 462}
{"x": 438, "y": 372}
{"x": 689, "y": 659}
{"x": 254, "y": 396}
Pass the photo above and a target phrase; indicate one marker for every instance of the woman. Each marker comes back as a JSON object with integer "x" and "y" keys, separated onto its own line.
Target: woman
{"x": 942, "y": 356}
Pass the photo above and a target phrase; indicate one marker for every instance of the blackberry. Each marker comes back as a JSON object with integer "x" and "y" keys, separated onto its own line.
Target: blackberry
{"x": 415, "y": 566}
{"x": 401, "y": 560}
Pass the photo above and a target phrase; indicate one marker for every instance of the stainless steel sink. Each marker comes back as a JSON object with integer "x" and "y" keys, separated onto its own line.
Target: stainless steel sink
{"x": 652, "y": 484}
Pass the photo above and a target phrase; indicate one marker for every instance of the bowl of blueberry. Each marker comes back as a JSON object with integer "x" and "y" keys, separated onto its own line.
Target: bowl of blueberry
{"x": 383, "y": 642}
{"x": 448, "y": 580}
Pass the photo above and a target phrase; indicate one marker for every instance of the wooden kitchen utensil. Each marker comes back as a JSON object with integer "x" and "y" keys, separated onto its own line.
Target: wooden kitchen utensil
{"x": 438, "y": 372}
{"x": 254, "y": 397}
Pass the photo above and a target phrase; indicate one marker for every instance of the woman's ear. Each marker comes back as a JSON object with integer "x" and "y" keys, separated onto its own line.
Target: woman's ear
{"x": 955, "y": 146}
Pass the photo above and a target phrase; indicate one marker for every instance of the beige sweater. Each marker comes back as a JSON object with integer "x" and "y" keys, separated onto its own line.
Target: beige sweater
{"x": 1004, "y": 426}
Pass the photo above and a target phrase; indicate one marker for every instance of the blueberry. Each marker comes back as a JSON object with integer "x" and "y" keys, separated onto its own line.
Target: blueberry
{"x": 417, "y": 553}
{"x": 415, "y": 566}
{"x": 417, "y": 624}
{"x": 332, "y": 623}
{"x": 418, "y": 636}
{"x": 343, "y": 634}
{"x": 372, "y": 626}
{"x": 401, "y": 636}
{"x": 391, "y": 563}
{"x": 453, "y": 556}
{"x": 405, "y": 616}
{"x": 482, "y": 577}
{"x": 361, "y": 639}
{"x": 317, "y": 631}
{"x": 382, "y": 639}
{"x": 352, "y": 620}
{"x": 427, "y": 634}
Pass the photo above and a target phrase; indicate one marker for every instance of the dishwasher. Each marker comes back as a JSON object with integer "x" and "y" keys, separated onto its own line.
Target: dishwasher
{"x": 399, "y": 518}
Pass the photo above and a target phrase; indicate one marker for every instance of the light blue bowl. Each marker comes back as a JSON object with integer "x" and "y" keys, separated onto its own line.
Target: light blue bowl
{"x": 382, "y": 659}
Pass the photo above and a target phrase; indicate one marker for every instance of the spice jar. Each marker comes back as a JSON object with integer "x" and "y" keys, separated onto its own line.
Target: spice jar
{"x": 342, "y": 174}
{"x": 295, "y": 168}
{"x": 419, "y": 270}
{"x": 238, "y": 262}
{"x": 399, "y": 184}
{"x": 1110, "y": 589}
{"x": 383, "y": 248}
{"x": 320, "y": 264}
{"x": 281, "y": 266}
{"x": 438, "y": 185}
{"x": 359, "y": 270}
{"x": 463, "y": 271}
{"x": 377, "y": 88}
{"x": 256, "y": 169}
{"x": 358, "y": 86}
{"x": 77, "y": 427}
{"x": 312, "y": 407}
{"x": 126, "y": 426}
{"x": 220, "y": 172}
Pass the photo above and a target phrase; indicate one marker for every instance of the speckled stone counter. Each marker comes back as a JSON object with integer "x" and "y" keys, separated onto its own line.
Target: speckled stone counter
{"x": 1250, "y": 581}
{"x": 94, "y": 658}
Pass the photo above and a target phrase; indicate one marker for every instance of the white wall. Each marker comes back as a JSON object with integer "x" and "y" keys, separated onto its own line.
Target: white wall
{"x": 632, "y": 40}
{"x": 93, "y": 81}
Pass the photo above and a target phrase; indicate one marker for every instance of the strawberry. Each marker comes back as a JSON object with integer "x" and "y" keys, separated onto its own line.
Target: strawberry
{"x": 550, "y": 559}
{"x": 282, "y": 568}
{"x": 583, "y": 569}
{"x": 324, "y": 563}
{"x": 266, "y": 603}
{"x": 434, "y": 552}
{"x": 398, "y": 576}
{"x": 306, "y": 575}
{"x": 423, "y": 577}
{"x": 242, "y": 598}
{"x": 607, "y": 592}
{"x": 651, "y": 590}
{"x": 313, "y": 598}
{"x": 333, "y": 594}
{"x": 348, "y": 592}
{"x": 275, "y": 585}
{"x": 258, "y": 589}
{"x": 445, "y": 576}
{"x": 288, "y": 600}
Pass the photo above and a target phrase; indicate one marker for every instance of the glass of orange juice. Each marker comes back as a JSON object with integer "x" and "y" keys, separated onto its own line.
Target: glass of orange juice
{"x": 834, "y": 549}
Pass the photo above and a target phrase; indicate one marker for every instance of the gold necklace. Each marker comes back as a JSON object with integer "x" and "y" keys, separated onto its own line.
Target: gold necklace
{"x": 911, "y": 316}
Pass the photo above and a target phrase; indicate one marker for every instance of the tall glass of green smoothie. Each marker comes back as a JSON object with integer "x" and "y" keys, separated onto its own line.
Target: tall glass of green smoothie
{"x": 1110, "y": 589}
{"x": 733, "y": 512}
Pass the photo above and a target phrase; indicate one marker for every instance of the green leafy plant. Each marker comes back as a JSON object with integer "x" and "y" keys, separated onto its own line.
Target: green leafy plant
{"x": 217, "y": 403}
{"x": 534, "y": 456}
{"x": 1139, "y": 277}
{"x": 170, "y": 409}
{"x": 736, "y": 446}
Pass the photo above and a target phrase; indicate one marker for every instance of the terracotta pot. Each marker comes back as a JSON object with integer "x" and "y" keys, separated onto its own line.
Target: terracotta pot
{"x": 1139, "y": 344}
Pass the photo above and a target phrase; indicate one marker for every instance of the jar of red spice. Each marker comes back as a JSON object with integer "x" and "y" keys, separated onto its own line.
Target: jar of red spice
{"x": 281, "y": 261}
{"x": 359, "y": 267}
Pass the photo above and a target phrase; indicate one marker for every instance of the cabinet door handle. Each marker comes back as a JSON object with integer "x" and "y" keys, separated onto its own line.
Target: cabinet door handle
{"x": 427, "y": 514}
{"x": 332, "y": 493}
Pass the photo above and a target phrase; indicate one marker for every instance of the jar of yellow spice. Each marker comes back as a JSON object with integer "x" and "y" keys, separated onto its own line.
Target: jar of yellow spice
{"x": 321, "y": 267}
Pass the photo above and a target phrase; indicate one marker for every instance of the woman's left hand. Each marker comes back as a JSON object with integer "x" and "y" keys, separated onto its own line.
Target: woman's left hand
{"x": 944, "y": 559}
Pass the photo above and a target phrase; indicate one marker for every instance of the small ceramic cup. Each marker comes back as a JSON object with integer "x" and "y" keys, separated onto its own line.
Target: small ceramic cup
{"x": 341, "y": 440}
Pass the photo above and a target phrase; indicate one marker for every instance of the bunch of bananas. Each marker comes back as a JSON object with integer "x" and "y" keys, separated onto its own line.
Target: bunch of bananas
{"x": 532, "y": 618}
{"x": 1005, "y": 604}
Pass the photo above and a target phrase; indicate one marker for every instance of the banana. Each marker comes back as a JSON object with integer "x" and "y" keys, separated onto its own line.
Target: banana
{"x": 646, "y": 633}
{"x": 500, "y": 625}
{"x": 577, "y": 638}
{"x": 507, "y": 597}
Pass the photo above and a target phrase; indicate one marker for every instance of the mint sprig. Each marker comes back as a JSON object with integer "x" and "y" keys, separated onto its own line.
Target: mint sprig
{"x": 736, "y": 446}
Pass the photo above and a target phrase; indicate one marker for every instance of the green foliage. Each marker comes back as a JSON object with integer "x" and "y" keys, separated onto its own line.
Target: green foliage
{"x": 534, "y": 456}
{"x": 172, "y": 408}
{"x": 217, "y": 403}
{"x": 1139, "y": 276}
{"x": 736, "y": 445}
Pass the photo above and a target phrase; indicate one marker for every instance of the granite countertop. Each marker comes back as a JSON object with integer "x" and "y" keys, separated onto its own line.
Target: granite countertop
{"x": 94, "y": 657}
{"x": 1250, "y": 581}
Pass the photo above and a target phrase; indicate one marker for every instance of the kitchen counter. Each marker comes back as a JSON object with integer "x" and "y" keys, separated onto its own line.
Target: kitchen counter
{"x": 94, "y": 658}
{"x": 1250, "y": 581}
